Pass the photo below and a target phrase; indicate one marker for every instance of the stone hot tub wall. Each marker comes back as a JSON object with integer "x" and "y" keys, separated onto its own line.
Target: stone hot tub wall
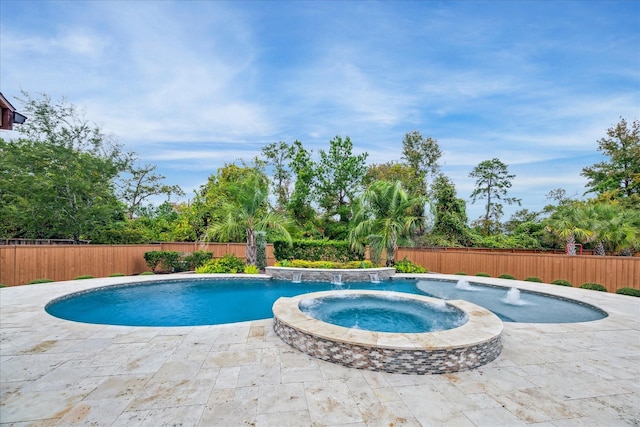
{"x": 471, "y": 345}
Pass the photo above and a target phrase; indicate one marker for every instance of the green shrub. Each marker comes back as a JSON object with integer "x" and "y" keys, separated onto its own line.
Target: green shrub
{"x": 197, "y": 259}
{"x": 147, "y": 273}
{"x": 36, "y": 281}
{"x": 629, "y": 291}
{"x": 227, "y": 264}
{"x": 461, "y": 273}
{"x": 116, "y": 275}
{"x": 507, "y": 276}
{"x": 86, "y": 276}
{"x": 251, "y": 269}
{"x": 164, "y": 261}
{"x": 261, "y": 250}
{"x": 406, "y": 266}
{"x": 561, "y": 282}
{"x": 482, "y": 274}
{"x": 301, "y": 263}
{"x": 315, "y": 250}
{"x": 593, "y": 287}
{"x": 533, "y": 279}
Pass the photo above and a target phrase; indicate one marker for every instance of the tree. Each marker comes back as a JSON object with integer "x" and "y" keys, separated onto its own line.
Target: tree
{"x": 58, "y": 180}
{"x": 394, "y": 171}
{"x": 299, "y": 206}
{"x": 568, "y": 222}
{"x": 450, "y": 224}
{"x": 205, "y": 209}
{"x": 277, "y": 155}
{"x": 339, "y": 179}
{"x": 492, "y": 182}
{"x": 613, "y": 226}
{"x": 246, "y": 212}
{"x": 384, "y": 216}
{"x": 619, "y": 177}
{"x": 141, "y": 184}
{"x": 421, "y": 154}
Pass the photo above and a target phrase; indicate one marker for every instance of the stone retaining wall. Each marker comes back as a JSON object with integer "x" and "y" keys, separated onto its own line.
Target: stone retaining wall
{"x": 328, "y": 275}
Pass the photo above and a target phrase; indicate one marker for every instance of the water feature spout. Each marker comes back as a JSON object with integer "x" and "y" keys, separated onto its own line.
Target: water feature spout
{"x": 513, "y": 297}
{"x": 336, "y": 279}
{"x": 297, "y": 277}
{"x": 465, "y": 286}
{"x": 374, "y": 278}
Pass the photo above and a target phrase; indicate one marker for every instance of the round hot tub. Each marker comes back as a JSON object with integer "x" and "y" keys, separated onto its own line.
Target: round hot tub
{"x": 383, "y": 313}
{"x": 474, "y": 342}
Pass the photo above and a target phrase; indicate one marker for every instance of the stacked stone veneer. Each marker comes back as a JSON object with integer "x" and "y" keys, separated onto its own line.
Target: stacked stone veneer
{"x": 397, "y": 361}
{"x": 471, "y": 345}
{"x": 327, "y": 275}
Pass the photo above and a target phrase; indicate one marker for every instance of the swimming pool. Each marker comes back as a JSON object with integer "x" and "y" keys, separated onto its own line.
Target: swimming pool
{"x": 206, "y": 301}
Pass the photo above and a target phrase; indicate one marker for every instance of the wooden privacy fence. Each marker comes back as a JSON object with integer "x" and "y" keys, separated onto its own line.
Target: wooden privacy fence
{"x": 19, "y": 264}
{"x": 611, "y": 271}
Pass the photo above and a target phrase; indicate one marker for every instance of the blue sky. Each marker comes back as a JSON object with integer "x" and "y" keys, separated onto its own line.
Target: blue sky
{"x": 192, "y": 85}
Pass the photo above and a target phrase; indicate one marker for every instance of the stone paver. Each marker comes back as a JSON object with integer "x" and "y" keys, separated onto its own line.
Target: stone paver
{"x": 59, "y": 373}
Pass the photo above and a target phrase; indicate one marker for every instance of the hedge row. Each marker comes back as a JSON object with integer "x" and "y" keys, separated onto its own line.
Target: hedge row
{"x": 316, "y": 250}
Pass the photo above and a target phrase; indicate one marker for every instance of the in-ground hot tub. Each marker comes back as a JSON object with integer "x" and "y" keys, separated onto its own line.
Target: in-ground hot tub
{"x": 474, "y": 343}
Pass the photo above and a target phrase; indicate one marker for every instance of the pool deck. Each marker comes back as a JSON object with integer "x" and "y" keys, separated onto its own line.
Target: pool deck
{"x": 60, "y": 373}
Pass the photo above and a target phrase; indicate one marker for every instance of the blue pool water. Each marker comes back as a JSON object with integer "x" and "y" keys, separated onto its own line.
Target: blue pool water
{"x": 383, "y": 313}
{"x": 192, "y": 302}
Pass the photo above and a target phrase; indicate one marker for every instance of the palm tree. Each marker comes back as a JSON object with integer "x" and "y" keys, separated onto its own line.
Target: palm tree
{"x": 568, "y": 222}
{"x": 246, "y": 212}
{"x": 384, "y": 215}
{"x": 625, "y": 228}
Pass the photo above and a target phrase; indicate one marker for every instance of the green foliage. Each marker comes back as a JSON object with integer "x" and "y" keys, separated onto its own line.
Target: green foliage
{"x": 164, "y": 261}
{"x": 561, "y": 282}
{"x": 300, "y": 263}
{"x": 629, "y": 291}
{"x": 303, "y": 168}
{"x": 116, "y": 275}
{"x": 492, "y": 182}
{"x": 147, "y": 273}
{"x": 86, "y": 276}
{"x": 36, "y": 281}
{"x": 619, "y": 177}
{"x": 261, "y": 250}
{"x": 450, "y": 222}
{"x": 246, "y": 212}
{"x": 315, "y": 250}
{"x": 483, "y": 274}
{"x": 593, "y": 286}
{"x": 227, "y": 264}
{"x": 58, "y": 179}
{"x": 533, "y": 279}
{"x": 503, "y": 241}
{"x": 141, "y": 183}
{"x": 384, "y": 218}
{"x": 251, "y": 269}
{"x": 460, "y": 273}
{"x": 406, "y": 266}
{"x": 277, "y": 155}
{"x": 339, "y": 178}
{"x": 196, "y": 259}
{"x": 507, "y": 276}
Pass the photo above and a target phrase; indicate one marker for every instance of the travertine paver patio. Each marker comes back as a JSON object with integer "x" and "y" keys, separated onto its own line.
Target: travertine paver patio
{"x": 59, "y": 373}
